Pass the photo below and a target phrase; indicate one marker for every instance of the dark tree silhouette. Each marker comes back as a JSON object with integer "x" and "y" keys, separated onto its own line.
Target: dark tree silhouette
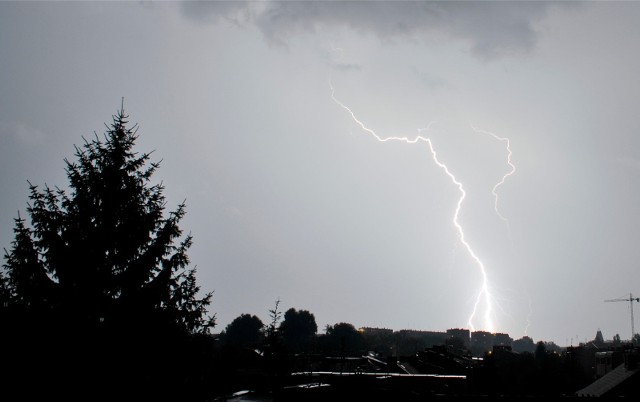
{"x": 343, "y": 339}
{"x": 541, "y": 353}
{"x": 245, "y": 330}
{"x": 524, "y": 344}
{"x": 298, "y": 330}
{"x": 272, "y": 330}
{"x": 98, "y": 274}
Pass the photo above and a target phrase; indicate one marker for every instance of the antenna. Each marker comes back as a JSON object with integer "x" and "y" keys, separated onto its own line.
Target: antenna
{"x": 630, "y": 300}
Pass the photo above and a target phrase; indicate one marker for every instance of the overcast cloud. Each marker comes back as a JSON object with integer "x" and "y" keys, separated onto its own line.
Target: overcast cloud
{"x": 491, "y": 29}
{"x": 289, "y": 198}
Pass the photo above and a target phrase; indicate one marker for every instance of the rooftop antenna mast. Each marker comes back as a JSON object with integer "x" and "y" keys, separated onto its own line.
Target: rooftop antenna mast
{"x": 631, "y": 299}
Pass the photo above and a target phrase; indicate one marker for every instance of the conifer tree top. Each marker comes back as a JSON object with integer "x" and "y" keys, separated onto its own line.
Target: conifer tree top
{"x": 106, "y": 251}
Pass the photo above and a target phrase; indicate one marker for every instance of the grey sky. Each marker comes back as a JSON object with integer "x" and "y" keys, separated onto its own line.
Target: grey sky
{"x": 288, "y": 198}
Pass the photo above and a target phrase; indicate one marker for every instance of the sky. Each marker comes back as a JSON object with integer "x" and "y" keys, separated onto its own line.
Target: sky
{"x": 406, "y": 165}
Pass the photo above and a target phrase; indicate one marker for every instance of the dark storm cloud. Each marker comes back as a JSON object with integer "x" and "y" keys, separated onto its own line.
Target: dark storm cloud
{"x": 212, "y": 11}
{"x": 491, "y": 29}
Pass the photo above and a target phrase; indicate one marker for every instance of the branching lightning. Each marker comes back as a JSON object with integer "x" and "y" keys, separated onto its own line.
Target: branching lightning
{"x": 494, "y": 191}
{"x": 484, "y": 294}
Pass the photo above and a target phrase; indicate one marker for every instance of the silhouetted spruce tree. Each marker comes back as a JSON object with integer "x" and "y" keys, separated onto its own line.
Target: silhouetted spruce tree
{"x": 102, "y": 267}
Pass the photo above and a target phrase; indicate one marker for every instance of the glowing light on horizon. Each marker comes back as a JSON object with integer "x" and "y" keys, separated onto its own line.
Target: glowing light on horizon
{"x": 484, "y": 294}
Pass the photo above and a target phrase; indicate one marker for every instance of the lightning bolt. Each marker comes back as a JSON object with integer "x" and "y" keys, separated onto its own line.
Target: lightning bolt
{"x": 526, "y": 329}
{"x": 494, "y": 191}
{"x": 484, "y": 294}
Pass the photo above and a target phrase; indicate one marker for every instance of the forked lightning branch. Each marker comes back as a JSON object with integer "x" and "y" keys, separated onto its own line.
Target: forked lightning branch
{"x": 484, "y": 299}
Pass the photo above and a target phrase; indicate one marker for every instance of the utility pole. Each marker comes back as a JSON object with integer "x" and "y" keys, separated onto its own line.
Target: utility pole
{"x": 631, "y": 299}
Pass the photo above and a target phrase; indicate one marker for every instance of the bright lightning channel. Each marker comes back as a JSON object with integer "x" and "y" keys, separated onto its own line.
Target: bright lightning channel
{"x": 484, "y": 295}
{"x": 494, "y": 191}
{"x": 526, "y": 328}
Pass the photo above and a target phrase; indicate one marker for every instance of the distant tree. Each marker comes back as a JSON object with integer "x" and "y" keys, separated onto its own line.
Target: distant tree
{"x": 616, "y": 339}
{"x": 246, "y": 330}
{"x": 599, "y": 339}
{"x": 540, "y": 353}
{"x": 524, "y": 344}
{"x": 298, "y": 330}
{"x": 344, "y": 339}
{"x": 98, "y": 271}
{"x": 275, "y": 357}
{"x": 380, "y": 341}
{"x": 272, "y": 332}
{"x": 552, "y": 347}
{"x": 636, "y": 339}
